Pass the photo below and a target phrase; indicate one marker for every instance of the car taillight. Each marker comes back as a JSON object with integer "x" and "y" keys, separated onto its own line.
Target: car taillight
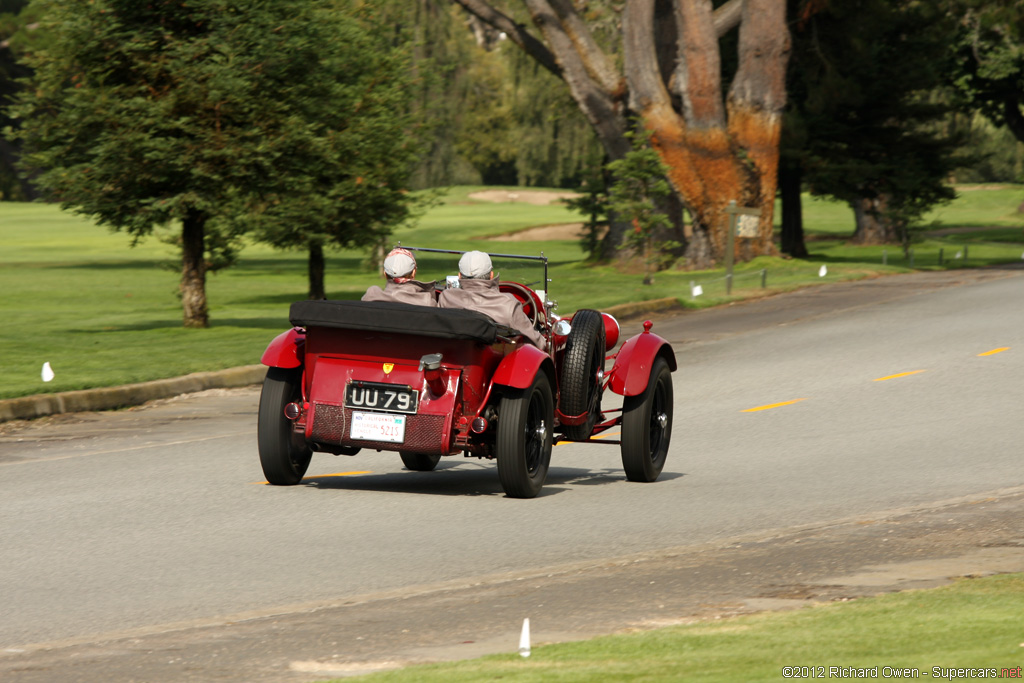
{"x": 435, "y": 381}
{"x": 430, "y": 365}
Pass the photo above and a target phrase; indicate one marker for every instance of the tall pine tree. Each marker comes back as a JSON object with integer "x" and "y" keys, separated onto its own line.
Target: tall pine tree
{"x": 212, "y": 115}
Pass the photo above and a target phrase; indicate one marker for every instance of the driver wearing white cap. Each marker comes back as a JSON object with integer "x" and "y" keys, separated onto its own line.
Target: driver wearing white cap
{"x": 478, "y": 291}
{"x": 400, "y": 269}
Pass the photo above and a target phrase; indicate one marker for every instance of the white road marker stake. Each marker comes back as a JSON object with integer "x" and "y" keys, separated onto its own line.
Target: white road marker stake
{"x": 524, "y": 639}
{"x": 47, "y": 372}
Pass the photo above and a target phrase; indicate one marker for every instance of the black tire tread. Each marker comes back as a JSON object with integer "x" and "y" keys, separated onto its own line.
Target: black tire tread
{"x": 638, "y": 460}
{"x": 283, "y": 464}
{"x": 578, "y": 377}
{"x": 419, "y": 462}
{"x": 510, "y": 446}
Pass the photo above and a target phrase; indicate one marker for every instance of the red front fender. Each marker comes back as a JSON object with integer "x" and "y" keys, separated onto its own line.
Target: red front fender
{"x": 632, "y": 369}
{"x": 518, "y": 369}
{"x": 287, "y": 350}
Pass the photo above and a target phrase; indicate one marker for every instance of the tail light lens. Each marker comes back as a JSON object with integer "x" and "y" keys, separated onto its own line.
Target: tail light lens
{"x": 430, "y": 365}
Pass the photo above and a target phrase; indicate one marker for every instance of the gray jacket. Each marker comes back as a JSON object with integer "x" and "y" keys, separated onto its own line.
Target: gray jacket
{"x": 503, "y": 308}
{"x": 408, "y": 292}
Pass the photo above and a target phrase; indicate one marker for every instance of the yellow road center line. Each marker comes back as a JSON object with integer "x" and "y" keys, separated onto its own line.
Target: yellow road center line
{"x": 901, "y": 374}
{"x": 773, "y": 405}
{"x": 994, "y": 351}
{"x": 603, "y": 435}
{"x": 337, "y": 474}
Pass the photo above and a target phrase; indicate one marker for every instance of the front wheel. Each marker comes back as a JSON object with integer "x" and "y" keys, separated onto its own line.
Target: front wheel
{"x": 523, "y": 446}
{"x": 419, "y": 462}
{"x": 283, "y": 462}
{"x": 647, "y": 426}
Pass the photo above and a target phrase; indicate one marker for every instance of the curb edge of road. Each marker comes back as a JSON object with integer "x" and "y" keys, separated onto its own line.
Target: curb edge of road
{"x": 642, "y": 307}
{"x": 110, "y": 398}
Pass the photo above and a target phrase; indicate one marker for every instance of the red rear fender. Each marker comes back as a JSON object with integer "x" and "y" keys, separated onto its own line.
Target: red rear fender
{"x": 518, "y": 369}
{"x": 633, "y": 363}
{"x": 287, "y": 350}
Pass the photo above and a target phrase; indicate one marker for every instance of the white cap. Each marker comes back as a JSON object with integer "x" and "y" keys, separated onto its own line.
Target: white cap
{"x": 399, "y": 263}
{"x": 475, "y": 264}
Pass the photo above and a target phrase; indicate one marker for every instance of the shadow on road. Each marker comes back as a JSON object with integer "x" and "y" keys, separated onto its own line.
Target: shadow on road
{"x": 466, "y": 479}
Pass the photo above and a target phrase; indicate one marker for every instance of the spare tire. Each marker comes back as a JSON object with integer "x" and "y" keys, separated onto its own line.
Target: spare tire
{"x": 582, "y": 368}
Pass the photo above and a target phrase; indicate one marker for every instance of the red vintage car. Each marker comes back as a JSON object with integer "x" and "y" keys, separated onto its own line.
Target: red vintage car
{"x": 432, "y": 382}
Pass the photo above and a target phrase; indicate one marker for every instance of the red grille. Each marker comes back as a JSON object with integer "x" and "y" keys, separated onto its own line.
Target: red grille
{"x": 328, "y": 424}
{"x": 423, "y": 433}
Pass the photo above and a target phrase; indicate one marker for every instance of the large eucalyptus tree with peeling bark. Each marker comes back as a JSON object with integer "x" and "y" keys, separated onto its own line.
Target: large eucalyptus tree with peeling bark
{"x": 720, "y": 144}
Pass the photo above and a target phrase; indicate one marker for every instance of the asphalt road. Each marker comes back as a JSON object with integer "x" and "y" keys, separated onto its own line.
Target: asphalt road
{"x": 798, "y": 412}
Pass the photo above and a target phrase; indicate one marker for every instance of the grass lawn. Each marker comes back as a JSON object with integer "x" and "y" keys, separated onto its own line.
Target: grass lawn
{"x": 974, "y": 206}
{"x": 103, "y": 313}
{"x": 973, "y": 623}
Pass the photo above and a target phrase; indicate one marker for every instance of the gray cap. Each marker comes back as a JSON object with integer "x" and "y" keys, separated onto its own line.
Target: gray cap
{"x": 475, "y": 265}
{"x": 399, "y": 263}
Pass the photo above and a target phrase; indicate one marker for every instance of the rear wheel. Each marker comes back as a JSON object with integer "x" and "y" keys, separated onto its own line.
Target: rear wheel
{"x": 581, "y": 373}
{"x": 419, "y": 462}
{"x": 283, "y": 461}
{"x": 647, "y": 426}
{"x": 523, "y": 445}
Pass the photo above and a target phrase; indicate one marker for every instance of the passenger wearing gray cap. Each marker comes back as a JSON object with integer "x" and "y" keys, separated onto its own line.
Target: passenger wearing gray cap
{"x": 400, "y": 269}
{"x": 478, "y": 291}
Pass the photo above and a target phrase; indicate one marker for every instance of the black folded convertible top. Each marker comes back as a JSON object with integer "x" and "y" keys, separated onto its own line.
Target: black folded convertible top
{"x": 388, "y": 316}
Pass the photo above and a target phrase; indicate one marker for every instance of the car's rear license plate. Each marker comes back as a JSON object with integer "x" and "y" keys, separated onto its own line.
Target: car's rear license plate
{"x": 378, "y": 427}
{"x": 390, "y": 398}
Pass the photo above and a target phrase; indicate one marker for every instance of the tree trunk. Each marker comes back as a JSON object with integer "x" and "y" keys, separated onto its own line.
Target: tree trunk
{"x": 699, "y": 248}
{"x": 873, "y": 226}
{"x": 1013, "y": 116}
{"x": 792, "y": 210}
{"x": 716, "y": 151}
{"x": 756, "y": 99}
{"x": 613, "y": 239}
{"x": 193, "y": 269}
{"x": 316, "y": 271}
{"x": 9, "y": 156}
{"x": 673, "y": 206}
{"x": 593, "y": 82}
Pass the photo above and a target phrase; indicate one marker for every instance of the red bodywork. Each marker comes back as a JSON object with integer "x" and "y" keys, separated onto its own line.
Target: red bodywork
{"x": 286, "y": 350}
{"x": 471, "y": 378}
{"x": 336, "y": 357}
{"x": 632, "y": 368}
